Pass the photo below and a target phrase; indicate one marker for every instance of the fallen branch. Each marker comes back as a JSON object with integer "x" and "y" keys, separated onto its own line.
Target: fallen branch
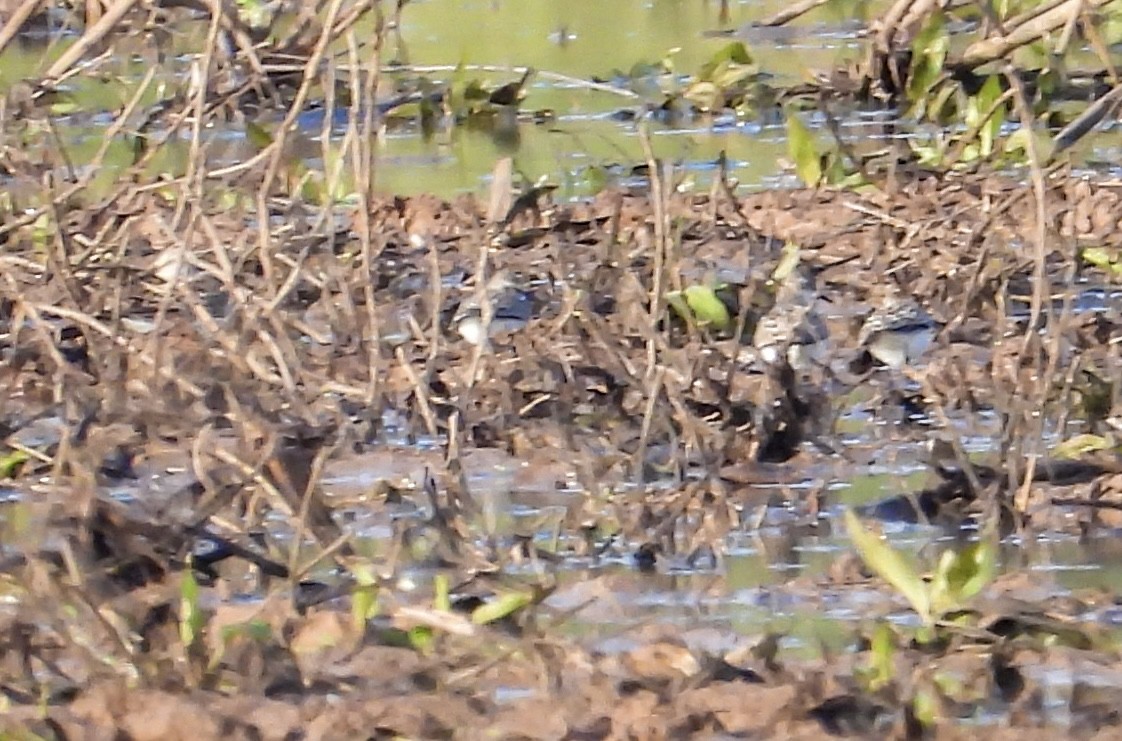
{"x": 1031, "y": 30}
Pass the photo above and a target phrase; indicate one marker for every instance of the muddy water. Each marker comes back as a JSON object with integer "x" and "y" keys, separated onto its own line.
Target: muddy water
{"x": 591, "y": 137}
{"x": 589, "y": 39}
{"x": 592, "y": 134}
{"x": 772, "y": 579}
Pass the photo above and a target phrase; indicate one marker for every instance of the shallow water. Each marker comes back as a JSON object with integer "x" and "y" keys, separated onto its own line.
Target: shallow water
{"x": 588, "y": 39}
{"x": 775, "y": 578}
{"x": 592, "y": 136}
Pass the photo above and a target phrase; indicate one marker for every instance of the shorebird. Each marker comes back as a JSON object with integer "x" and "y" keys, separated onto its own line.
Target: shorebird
{"x": 511, "y": 309}
{"x": 793, "y": 327}
{"x": 898, "y": 333}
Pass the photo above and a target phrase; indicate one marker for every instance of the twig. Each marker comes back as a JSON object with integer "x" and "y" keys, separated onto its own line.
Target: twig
{"x": 90, "y": 38}
{"x": 972, "y": 134}
{"x": 419, "y": 390}
{"x": 654, "y": 391}
{"x": 599, "y": 87}
{"x": 791, "y": 13}
{"x": 1086, "y": 121}
{"x": 16, "y": 22}
{"x": 1040, "y": 276}
{"x": 1031, "y": 30}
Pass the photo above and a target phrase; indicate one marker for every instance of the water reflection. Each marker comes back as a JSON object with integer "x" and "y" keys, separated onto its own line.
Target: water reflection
{"x": 590, "y": 133}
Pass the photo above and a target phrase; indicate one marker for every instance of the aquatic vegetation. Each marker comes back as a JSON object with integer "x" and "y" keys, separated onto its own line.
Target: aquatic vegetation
{"x": 958, "y": 577}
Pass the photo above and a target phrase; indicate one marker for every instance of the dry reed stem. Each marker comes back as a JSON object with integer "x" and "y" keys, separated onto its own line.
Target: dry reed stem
{"x": 276, "y": 148}
{"x": 272, "y": 154}
{"x": 653, "y": 392}
{"x": 486, "y": 316}
{"x": 1016, "y": 36}
{"x": 1040, "y": 289}
{"x": 191, "y": 185}
{"x": 90, "y": 322}
{"x": 657, "y": 290}
{"x": 254, "y": 473}
{"x": 790, "y": 13}
{"x": 420, "y": 391}
{"x": 362, "y": 157}
{"x": 307, "y": 498}
{"x": 16, "y": 22}
{"x": 93, "y": 36}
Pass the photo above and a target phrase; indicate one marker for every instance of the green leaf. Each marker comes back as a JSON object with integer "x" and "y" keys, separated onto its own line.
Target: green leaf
{"x": 940, "y": 104}
{"x": 1111, "y": 27}
{"x": 677, "y": 302}
{"x": 503, "y": 606}
{"x": 803, "y": 151}
{"x": 837, "y": 174}
{"x": 64, "y": 107}
{"x": 457, "y": 91}
{"x": 882, "y": 650}
{"x": 735, "y": 53}
{"x": 925, "y": 705}
{"x": 255, "y": 13}
{"x": 887, "y": 563}
{"x": 364, "y": 597}
{"x": 707, "y": 307}
{"x": 599, "y": 178}
{"x": 1017, "y": 143}
{"x": 421, "y": 639}
{"x": 930, "y": 155}
{"x": 986, "y": 98}
{"x": 364, "y": 605}
{"x": 705, "y": 96}
{"x": 441, "y": 599}
{"x": 961, "y": 575}
{"x": 1080, "y": 445}
{"x": 788, "y": 262}
{"x": 667, "y": 61}
{"x": 363, "y": 572}
{"x": 732, "y": 76}
{"x": 929, "y": 53}
{"x": 191, "y": 619}
{"x": 257, "y": 136}
{"x": 1101, "y": 257}
{"x": 10, "y": 463}
{"x": 973, "y": 570}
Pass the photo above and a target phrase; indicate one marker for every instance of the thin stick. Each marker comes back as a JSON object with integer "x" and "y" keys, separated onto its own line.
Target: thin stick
{"x": 15, "y": 23}
{"x": 419, "y": 390}
{"x": 90, "y": 38}
{"x": 1040, "y": 277}
{"x": 789, "y": 14}
{"x": 544, "y": 74}
{"x": 654, "y": 391}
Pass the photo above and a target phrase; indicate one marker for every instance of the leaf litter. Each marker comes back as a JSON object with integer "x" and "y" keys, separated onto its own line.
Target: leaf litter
{"x": 213, "y": 395}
